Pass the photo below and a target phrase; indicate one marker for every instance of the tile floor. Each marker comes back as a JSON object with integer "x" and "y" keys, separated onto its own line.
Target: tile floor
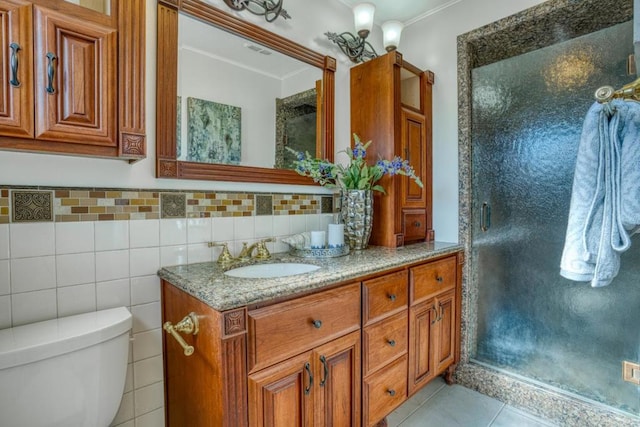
{"x": 440, "y": 405}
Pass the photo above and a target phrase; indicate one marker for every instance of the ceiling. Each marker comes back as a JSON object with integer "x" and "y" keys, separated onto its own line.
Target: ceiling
{"x": 405, "y": 11}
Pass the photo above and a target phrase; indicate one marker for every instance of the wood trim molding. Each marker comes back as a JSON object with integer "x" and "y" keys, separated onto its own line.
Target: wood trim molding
{"x": 131, "y": 78}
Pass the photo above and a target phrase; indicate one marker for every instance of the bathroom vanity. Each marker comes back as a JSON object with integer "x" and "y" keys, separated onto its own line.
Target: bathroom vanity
{"x": 343, "y": 345}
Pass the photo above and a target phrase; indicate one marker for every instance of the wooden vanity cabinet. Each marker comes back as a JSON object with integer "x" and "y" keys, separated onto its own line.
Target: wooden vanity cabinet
{"x": 434, "y": 321}
{"x": 392, "y": 107}
{"x": 385, "y": 342}
{"x": 345, "y": 356}
{"x": 72, "y": 78}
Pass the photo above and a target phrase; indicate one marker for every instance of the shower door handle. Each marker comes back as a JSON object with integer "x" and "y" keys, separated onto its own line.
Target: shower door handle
{"x": 485, "y": 217}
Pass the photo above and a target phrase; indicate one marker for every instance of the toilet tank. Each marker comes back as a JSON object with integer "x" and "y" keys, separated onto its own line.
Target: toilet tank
{"x": 66, "y": 372}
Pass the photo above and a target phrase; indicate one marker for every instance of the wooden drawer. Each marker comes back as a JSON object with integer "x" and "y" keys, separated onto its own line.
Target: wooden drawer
{"x": 282, "y": 330}
{"x": 414, "y": 225}
{"x": 384, "y": 391}
{"x": 384, "y": 296}
{"x": 384, "y": 341}
{"x": 431, "y": 278}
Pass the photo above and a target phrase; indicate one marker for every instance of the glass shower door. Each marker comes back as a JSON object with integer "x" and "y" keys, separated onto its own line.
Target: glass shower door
{"x": 526, "y": 123}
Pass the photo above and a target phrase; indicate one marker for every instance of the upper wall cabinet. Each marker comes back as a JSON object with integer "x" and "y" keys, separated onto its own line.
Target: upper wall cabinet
{"x": 391, "y": 105}
{"x": 72, "y": 77}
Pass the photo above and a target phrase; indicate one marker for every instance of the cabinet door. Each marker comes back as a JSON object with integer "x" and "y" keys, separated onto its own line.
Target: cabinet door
{"x": 422, "y": 318}
{"x": 75, "y": 79}
{"x": 16, "y": 73}
{"x": 338, "y": 382}
{"x": 414, "y": 150}
{"x": 446, "y": 344}
{"x": 282, "y": 395}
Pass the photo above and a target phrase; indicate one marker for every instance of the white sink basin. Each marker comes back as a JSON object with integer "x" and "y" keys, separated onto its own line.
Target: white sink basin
{"x": 263, "y": 271}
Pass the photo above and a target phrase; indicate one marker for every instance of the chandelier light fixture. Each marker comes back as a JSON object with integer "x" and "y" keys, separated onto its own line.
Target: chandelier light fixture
{"x": 356, "y": 47}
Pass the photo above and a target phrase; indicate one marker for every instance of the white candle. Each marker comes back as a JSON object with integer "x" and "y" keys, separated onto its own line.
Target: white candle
{"x": 336, "y": 235}
{"x": 317, "y": 239}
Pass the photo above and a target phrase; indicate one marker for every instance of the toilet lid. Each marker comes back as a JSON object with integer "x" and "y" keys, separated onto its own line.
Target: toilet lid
{"x": 37, "y": 341}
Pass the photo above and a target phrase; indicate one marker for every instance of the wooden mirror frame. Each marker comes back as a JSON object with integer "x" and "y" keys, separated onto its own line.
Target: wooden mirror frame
{"x": 167, "y": 165}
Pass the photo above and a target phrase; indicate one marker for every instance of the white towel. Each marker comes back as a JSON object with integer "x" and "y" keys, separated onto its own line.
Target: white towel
{"x": 605, "y": 202}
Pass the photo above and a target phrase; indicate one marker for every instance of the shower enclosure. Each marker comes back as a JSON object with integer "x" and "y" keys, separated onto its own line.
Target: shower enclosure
{"x": 526, "y": 120}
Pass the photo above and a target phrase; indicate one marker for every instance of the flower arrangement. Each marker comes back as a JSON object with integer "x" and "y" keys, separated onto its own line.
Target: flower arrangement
{"x": 358, "y": 174}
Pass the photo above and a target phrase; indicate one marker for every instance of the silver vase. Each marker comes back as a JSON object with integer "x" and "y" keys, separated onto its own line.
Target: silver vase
{"x": 357, "y": 215}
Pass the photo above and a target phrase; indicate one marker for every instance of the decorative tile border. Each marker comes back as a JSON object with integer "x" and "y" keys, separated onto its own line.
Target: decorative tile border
{"x": 209, "y": 204}
{"x": 31, "y": 206}
{"x": 295, "y": 204}
{"x": 4, "y": 206}
{"x": 173, "y": 205}
{"x": 264, "y": 204}
{"x": 96, "y": 204}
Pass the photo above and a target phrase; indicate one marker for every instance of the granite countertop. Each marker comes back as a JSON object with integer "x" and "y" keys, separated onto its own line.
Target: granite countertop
{"x": 207, "y": 282}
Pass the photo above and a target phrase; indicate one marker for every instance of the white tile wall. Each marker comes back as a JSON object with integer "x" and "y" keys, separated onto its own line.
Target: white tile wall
{"x": 76, "y": 269}
{"x": 31, "y": 240}
{"x": 5, "y": 312}
{"x": 4, "y": 241}
{"x": 53, "y": 270}
{"x": 112, "y": 235}
{"x": 33, "y": 274}
{"x": 5, "y": 284}
{"x": 74, "y": 237}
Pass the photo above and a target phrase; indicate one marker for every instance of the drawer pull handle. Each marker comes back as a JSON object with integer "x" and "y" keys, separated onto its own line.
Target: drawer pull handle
{"x": 326, "y": 371}
{"x": 317, "y": 323}
{"x": 439, "y": 279}
{"x": 307, "y": 389}
{"x": 50, "y": 72}
{"x": 391, "y": 392}
{"x": 417, "y": 224}
{"x": 392, "y": 297}
{"x": 435, "y": 314}
{"x": 188, "y": 325}
{"x": 15, "y": 47}
{"x": 392, "y": 343}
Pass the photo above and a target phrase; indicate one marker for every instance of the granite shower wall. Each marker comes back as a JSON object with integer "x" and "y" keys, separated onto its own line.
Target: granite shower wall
{"x": 67, "y": 251}
{"x": 492, "y": 297}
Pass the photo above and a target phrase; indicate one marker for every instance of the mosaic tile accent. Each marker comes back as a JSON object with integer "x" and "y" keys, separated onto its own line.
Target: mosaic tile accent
{"x": 4, "y": 206}
{"x": 204, "y": 205}
{"x": 173, "y": 205}
{"x": 520, "y": 33}
{"x": 105, "y": 205}
{"x": 264, "y": 204}
{"x": 296, "y": 204}
{"x": 31, "y": 206}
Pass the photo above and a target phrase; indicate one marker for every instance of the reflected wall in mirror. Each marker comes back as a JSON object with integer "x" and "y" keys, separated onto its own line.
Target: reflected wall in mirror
{"x": 102, "y": 6}
{"x": 231, "y": 96}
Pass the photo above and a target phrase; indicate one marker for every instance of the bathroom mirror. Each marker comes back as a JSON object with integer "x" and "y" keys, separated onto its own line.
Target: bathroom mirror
{"x": 231, "y": 96}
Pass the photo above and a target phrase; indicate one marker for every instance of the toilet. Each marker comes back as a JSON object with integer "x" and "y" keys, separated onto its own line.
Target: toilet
{"x": 66, "y": 372}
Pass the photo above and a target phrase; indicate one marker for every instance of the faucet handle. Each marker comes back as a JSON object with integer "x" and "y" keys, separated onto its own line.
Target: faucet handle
{"x": 262, "y": 251}
{"x": 225, "y": 256}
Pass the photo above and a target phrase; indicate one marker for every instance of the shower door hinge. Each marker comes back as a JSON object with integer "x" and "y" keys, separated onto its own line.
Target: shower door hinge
{"x": 631, "y": 372}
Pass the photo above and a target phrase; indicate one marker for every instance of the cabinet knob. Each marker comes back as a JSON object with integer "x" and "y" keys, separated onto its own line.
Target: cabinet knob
{"x": 417, "y": 224}
{"x": 391, "y": 392}
{"x": 392, "y": 343}
{"x": 317, "y": 323}
{"x": 439, "y": 279}
{"x": 392, "y": 297}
